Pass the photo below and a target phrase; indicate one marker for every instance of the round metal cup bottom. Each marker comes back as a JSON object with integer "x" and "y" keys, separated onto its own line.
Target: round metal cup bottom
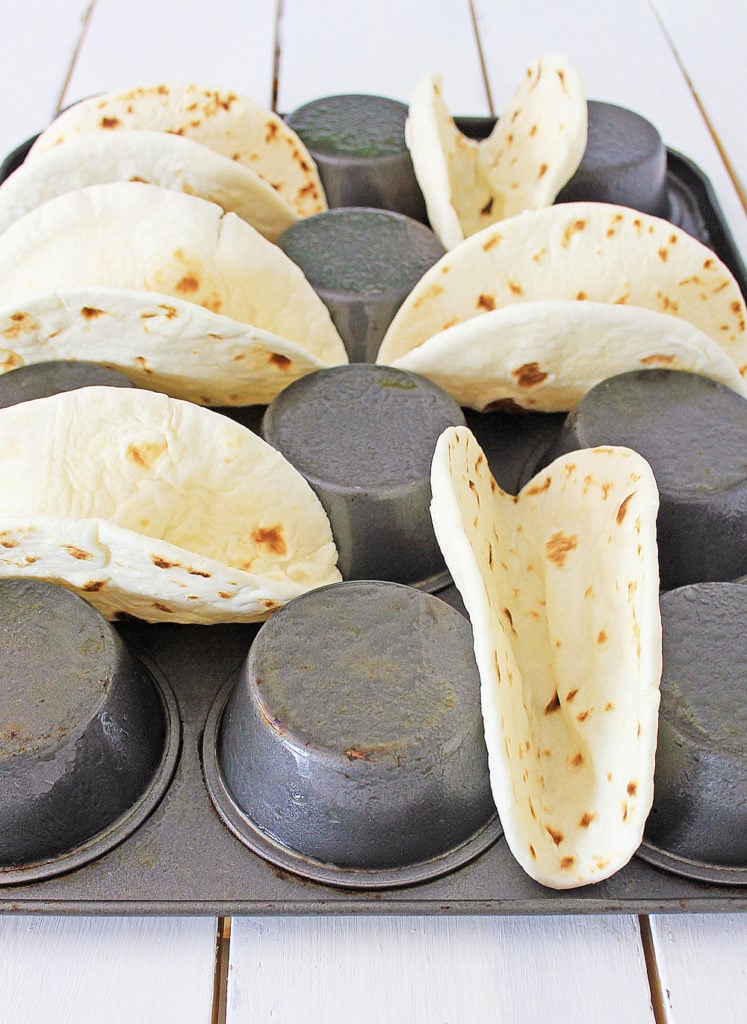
{"x": 275, "y": 852}
{"x": 127, "y": 823}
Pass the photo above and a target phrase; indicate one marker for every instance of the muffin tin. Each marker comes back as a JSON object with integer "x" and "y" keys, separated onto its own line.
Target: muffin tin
{"x": 183, "y": 854}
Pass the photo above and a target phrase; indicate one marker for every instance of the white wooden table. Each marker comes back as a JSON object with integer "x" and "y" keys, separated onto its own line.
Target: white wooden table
{"x": 681, "y": 64}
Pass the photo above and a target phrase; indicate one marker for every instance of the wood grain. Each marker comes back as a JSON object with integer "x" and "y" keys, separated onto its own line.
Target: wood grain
{"x": 222, "y": 44}
{"x": 702, "y": 966}
{"x": 86, "y": 970}
{"x": 40, "y": 40}
{"x": 432, "y": 970}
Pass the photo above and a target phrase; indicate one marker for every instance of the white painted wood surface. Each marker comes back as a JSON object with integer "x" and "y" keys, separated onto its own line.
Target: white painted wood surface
{"x": 447, "y": 970}
{"x": 709, "y": 40}
{"x": 381, "y": 47}
{"x": 225, "y": 44}
{"x": 110, "y": 970}
{"x": 40, "y": 40}
{"x": 702, "y": 965}
{"x": 54, "y": 970}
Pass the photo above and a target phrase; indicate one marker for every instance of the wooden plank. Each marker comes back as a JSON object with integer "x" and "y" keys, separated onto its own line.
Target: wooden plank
{"x": 702, "y": 966}
{"x": 426, "y": 969}
{"x": 86, "y": 970}
{"x": 40, "y": 41}
{"x": 227, "y": 45}
{"x": 623, "y": 56}
{"x": 382, "y": 48}
{"x": 711, "y": 52}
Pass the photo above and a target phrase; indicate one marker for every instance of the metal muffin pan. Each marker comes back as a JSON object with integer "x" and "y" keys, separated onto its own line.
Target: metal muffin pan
{"x": 182, "y": 858}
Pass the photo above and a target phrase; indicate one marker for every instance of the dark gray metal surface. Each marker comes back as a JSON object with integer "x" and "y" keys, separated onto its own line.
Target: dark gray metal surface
{"x": 363, "y": 437}
{"x": 362, "y": 263}
{"x": 358, "y": 144}
{"x": 88, "y": 740}
{"x": 625, "y": 162}
{"x": 353, "y": 739}
{"x": 698, "y": 824}
{"x": 184, "y": 860}
{"x": 692, "y": 431}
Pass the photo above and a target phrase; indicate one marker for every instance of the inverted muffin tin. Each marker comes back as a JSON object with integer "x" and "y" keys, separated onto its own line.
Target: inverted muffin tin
{"x": 183, "y": 857}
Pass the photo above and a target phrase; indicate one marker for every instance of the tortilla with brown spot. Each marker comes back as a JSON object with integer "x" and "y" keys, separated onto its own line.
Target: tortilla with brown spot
{"x": 168, "y": 161}
{"x": 534, "y": 149}
{"x": 587, "y": 709}
{"x": 225, "y": 122}
{"x": 151, "y": 507}
{"x": 693, "y": 285}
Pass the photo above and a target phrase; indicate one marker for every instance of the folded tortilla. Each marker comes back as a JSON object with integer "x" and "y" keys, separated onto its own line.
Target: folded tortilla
{"x": 596, "y": 252}
{"x": 534, "y": 149}
{"x": 545, "y": 356}
{"x": 159, "y": 342}
{"x": 157, "y": 508}
{"x": 156, "y": 158}
{"x": 224, "y": 121}
{"x": 561, "y": 585}
{"x": 141, "y": 237}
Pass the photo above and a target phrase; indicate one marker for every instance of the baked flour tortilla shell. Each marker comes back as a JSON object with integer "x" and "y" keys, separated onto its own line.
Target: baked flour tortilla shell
{"x": 159, "y": 342}
{"x": 224, "y": 121}
{"x": 561, "y": 586}
{"x": 153, "y": 507}
{"x": 155, "y": 158}
{"x": 545, "y": 356}
{"x": 596, "y": 252}
{"x": 141, "y": 237}
{"x": 534, "y": 149}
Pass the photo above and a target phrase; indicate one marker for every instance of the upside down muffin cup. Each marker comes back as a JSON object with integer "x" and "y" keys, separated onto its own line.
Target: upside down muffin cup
{"x": 89, "y": 736}
{"x": 350, "y": 748}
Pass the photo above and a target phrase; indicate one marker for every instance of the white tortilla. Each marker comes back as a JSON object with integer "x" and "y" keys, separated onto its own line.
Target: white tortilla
{"x": 141, "y": 237}
{"x": 545, "y": 356}
{"x": 580, "y": 251}
{"x": 156, "y": 158}
{"x": 562, "y": 588}
{"x": 157, "y": 508}
{"x": 222, "y": 120}
{"x": 534, "y": 149}
{"x": 159, "y": 342}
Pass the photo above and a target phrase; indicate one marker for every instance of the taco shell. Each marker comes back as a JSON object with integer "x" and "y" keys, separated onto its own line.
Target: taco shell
{"x": 156, "y": 508}
{"x": 159, "y": 342}
{"x": 545, "y": 356}
{"x": 561, "y": 585}
{"x": 141, "y": 237}
{"x": 155, "y": 158}
{"x": 585, "y": 251}
{"x": 232, "y": 125}
{"x": 534, "y": 149}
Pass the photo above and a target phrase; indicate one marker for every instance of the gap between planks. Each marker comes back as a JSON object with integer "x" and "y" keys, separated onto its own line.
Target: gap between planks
{"x": 85, "y": 21}
{"x": 730, "y": 169}
{"x": 658, "y": 1004}
{"x": 220, "y": 975}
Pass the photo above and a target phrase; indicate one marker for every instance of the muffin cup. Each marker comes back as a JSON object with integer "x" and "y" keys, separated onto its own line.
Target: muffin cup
{"x": 625, "y": 162}
{"x": 358, "y": 144}
{"x": 363, "y": 436}
{"x": 362, "y": 263}
{"x": 40, "y": 380}
{"x": 89, "y": 739}
{"x": 698, "y": 823}
{"x": 692, "y": 431}
{"x": 350, "y": 750}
